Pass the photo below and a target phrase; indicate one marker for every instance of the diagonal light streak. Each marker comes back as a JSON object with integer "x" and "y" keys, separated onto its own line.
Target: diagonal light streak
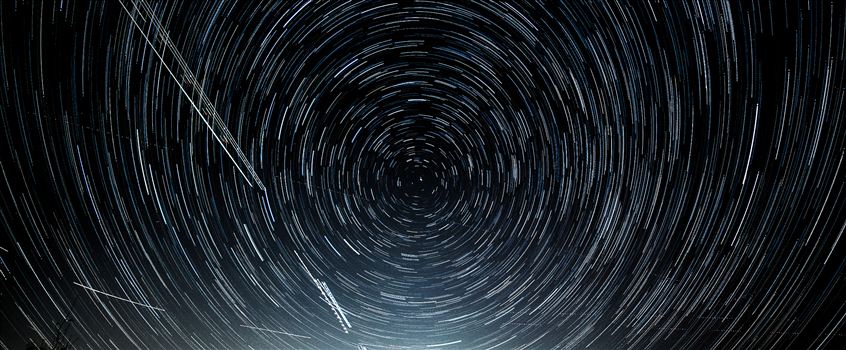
{"x": 141, "y": 12}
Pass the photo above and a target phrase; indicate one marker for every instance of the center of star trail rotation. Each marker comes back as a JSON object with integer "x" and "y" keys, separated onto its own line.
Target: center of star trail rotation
{"x": 422, "y": 174}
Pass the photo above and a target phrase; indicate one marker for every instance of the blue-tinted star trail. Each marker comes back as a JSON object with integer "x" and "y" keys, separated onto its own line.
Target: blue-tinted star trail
{"x": 420, "y": 174}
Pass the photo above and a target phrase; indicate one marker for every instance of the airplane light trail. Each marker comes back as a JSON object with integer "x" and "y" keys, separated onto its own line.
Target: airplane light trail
{"x": 118, "y": 298}
{"x": 142, "y": 12}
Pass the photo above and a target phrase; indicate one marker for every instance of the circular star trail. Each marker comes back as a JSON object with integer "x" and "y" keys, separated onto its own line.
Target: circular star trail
{"x": 423, "y": 174}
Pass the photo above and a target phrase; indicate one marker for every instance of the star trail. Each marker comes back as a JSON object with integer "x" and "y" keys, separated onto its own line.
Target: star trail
{"x": 421, "y": 174}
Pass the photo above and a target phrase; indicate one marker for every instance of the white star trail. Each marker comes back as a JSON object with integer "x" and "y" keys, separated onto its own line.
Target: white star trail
{"x": 276, "y": 332}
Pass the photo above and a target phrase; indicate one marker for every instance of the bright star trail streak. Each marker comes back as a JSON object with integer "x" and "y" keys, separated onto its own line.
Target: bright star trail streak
{"x": 423, "y": 174}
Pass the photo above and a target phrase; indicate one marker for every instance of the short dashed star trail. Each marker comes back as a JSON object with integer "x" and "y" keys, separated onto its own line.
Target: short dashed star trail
{"x": 422, "y": 174}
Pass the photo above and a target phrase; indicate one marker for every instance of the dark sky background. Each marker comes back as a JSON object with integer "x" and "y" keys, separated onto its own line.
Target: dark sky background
{"x": 423, "y": 174}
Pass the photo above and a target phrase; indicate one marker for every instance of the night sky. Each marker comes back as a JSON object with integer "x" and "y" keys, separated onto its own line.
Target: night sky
{"x": 423, "y": 174}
